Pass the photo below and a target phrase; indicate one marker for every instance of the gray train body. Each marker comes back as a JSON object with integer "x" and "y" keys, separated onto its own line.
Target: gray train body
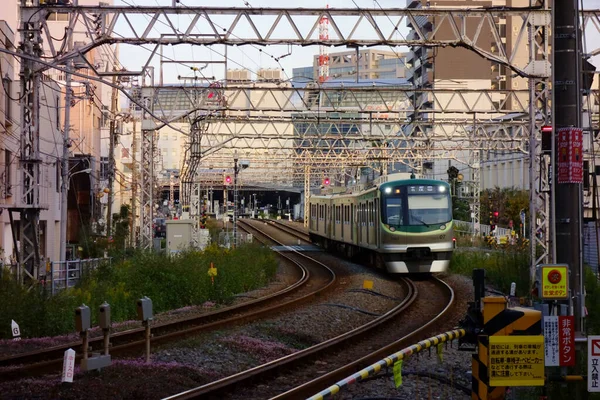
{"x": 400, "y": 224}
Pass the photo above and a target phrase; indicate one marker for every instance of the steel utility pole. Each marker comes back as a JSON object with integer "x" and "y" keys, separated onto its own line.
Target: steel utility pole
{"x": 134, "y": 185}
{"x": 235, "y": 198}
{"x": 567, "y": 113}
{"x": 64, "y": 195}
{"x": 111, "y": 155}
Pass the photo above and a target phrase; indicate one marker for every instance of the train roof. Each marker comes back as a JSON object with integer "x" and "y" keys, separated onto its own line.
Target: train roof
{"x": 403, "y": 178}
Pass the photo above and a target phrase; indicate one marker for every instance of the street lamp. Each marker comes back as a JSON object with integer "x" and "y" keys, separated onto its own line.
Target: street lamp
{"x": 63, "y": 213}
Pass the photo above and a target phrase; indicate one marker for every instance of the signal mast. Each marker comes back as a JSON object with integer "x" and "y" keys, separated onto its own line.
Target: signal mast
{"x": 323, "y": 50}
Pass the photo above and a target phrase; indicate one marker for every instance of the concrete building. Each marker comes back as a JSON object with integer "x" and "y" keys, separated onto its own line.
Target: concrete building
{"x": 370, "y": 64}
{"x": 85, "y": 122}
{"x": 459, "y": 68}
{"x": 50, "y": 150}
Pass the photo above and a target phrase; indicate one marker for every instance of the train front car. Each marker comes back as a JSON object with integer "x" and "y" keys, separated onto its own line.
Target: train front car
{"x": 416, "y": 226}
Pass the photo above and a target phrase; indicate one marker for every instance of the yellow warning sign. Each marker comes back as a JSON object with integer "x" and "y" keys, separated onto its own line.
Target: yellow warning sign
{"x": 516, "y": 360}
{"x": 555, "y": 282}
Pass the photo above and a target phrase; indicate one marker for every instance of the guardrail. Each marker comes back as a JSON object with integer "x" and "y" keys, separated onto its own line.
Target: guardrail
{"x": 66, "y": 274}
{"x": 388, "y": 362}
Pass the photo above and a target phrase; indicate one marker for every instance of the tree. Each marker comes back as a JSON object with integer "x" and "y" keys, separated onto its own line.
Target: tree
{"x": 507, "y": 202}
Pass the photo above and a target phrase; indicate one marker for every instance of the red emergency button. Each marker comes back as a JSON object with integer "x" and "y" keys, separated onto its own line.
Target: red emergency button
{"x": 554, "y": 276}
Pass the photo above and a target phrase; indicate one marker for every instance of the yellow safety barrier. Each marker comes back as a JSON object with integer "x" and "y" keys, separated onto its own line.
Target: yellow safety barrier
{"x": 389, "y": 361}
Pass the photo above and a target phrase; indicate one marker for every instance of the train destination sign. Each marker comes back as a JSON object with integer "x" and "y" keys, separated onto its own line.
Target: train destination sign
{"x": 516, "y": 360}
{"x": 555, "y": 281}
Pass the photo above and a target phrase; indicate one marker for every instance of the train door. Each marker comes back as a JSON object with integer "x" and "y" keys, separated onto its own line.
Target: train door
{"x": 343, "y": 220}
{"x": 369, "y": 223}
{"x": 360, "y": 223}
{"x": 352, "y": 223}
{"x": 328, "y": 220}
{"x": 376, "y": 224}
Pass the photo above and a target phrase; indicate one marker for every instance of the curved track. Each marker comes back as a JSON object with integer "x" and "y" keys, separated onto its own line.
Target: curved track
{"x": 343, "y": 354}
{"x": 132, "y": 340}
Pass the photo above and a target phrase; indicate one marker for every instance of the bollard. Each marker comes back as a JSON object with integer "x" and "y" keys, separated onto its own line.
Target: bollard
{"x": 144, "y": 311}
{"x": 104, "y": 321}
{"x": 82, "y": 324}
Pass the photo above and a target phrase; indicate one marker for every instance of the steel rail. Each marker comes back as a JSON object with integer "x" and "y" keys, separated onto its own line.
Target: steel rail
{"x": 332, "y": 377}
{"x": 292, "y": 230}
{"x": 227, "y": 383}
{"x": 126, "y": 341}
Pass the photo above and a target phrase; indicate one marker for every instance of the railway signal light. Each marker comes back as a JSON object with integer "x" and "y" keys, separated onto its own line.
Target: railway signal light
{"x": 546, "y": 138}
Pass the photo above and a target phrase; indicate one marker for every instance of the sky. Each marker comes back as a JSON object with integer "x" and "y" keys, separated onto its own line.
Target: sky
{"x": 248, "y": 57}
{"x": 254, "y": 58}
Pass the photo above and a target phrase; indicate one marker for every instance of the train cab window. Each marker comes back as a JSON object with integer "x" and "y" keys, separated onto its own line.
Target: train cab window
{"x": 393, "y": 211}
{"x": 431, "y": 207}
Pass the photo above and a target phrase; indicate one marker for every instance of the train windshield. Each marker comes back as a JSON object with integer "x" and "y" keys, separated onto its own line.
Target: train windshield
{"x": 416, "y": 205}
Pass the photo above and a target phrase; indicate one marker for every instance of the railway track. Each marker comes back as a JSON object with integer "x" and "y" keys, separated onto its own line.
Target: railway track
{"x": 132, "y": 341}
{"x": 343, "y": 355}
{"x": 301, "y": 234}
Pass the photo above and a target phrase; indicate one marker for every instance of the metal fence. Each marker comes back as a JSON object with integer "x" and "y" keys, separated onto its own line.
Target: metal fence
{"x": 65, "y": 274}
{"x": 484, "y": 230}
{"x": 226, "y": 238}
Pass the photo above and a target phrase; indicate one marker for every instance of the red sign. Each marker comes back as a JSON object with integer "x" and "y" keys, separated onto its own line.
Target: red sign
{"x": 595, "y": 348}
{"x": 570, "y": 155}
{"x": 566, "y": 340}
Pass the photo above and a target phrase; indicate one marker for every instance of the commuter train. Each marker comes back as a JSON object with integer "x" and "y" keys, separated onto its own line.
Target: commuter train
{"x": 401, "y": 224}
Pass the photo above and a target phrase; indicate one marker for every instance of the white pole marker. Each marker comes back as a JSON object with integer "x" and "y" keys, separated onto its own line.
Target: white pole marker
{"x": 16, "y": 331}
{"x": 68, "y": 366}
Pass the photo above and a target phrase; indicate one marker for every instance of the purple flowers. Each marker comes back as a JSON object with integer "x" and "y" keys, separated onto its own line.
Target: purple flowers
{"x": 265, "y": 350}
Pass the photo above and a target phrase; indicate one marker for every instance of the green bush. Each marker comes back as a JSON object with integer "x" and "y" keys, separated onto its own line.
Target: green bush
{"x": 171, "y": 282}
{"x": 502, "y": 267}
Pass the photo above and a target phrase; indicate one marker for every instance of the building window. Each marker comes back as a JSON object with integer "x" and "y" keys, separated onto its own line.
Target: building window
{"x": 57, "y": 112}
{"x": 104, "y": 168}
{"x": 105, "y": 115}
{"x": 7, "y": 85}
{"x": 7, "y": 177}
{"x": 58, "y": 16}
{"x": 57, "y": 177}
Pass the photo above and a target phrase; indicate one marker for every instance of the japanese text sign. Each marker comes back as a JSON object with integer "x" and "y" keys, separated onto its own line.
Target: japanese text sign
{"x": 516, "y": 360}
{"x": 569, "y": 148}
{"x": 559, "y": 341}
{"x": 555, "y": 281}
{"x": 566, "y": 337}
{"x": 593, "y": 363}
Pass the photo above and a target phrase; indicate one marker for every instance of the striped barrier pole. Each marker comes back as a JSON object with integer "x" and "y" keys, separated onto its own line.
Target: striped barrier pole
{"x": 388, "y": 361}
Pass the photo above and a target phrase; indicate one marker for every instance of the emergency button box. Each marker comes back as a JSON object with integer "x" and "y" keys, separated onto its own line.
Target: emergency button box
{"x": 82, "y": 318}
{"x": 144, "y": 309}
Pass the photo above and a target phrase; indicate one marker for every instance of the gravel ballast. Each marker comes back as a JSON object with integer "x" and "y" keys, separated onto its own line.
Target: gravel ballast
{"x": 206, "y": 357}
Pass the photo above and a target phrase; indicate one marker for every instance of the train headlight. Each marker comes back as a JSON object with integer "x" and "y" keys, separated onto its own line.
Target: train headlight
{"x": 388, "y": 190}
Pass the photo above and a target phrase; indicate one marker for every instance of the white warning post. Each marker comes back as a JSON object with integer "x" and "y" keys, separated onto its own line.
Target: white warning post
{"x": 16, "y": 331}
{"x": 68, "y": 366}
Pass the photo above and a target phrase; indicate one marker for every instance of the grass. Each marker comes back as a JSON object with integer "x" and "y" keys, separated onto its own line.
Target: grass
{"x": 502, "y": 267}
{"x": 171, "y": 283}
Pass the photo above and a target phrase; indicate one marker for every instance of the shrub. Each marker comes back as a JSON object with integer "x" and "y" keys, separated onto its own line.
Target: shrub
{"x": 501, "y": 267}
{"x": 171, "y": 282}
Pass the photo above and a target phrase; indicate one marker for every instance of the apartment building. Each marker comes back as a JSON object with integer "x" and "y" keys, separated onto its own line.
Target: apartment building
{"x": 50, "y": 111}
{"x": 367, "y": 63}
